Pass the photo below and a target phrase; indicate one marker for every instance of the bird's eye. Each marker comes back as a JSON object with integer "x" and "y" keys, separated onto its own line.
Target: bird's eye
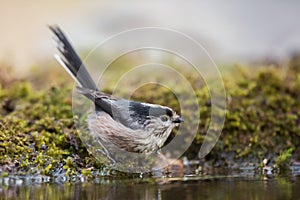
{"x": 164, "y": 118}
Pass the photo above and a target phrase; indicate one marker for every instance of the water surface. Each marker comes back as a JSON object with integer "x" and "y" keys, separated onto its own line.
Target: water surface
{"x": 187, "y": 187}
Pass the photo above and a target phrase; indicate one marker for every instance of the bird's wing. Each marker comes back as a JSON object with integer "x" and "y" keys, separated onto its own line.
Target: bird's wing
{"x": 122, "y": 110}
{"x": 131, "y": 114}
{"x": 135, "y": 114}
{"x": 117, "y": 108}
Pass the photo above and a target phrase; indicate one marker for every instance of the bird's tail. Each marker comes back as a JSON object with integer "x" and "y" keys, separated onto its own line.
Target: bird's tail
{"x": 71, "y": 62}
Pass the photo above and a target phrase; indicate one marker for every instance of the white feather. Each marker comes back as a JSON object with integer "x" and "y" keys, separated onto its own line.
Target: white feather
{"x": 62, "y": 63}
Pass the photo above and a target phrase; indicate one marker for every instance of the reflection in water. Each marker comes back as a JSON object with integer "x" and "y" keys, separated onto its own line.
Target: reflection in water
{"x": 203, "y": 188}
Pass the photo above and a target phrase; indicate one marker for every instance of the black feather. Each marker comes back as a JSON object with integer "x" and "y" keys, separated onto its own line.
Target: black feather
{"x": 142, "y": 111}
{"x": 72, "y": 60}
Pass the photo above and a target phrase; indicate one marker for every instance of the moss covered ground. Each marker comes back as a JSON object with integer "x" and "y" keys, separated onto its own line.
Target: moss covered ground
{"x": 38, "y": 135}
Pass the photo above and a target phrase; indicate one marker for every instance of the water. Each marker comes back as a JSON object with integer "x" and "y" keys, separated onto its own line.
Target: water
{"x": 240, "y": 186}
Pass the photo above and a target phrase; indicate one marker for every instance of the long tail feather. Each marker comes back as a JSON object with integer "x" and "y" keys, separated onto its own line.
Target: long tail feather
{"x": 71, "y": 62}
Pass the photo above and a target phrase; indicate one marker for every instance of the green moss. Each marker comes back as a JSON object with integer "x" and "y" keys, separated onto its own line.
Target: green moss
{"x": 38, "y": 135}
{"x": 284, "y": 158}
{"x": 86, "y": 172}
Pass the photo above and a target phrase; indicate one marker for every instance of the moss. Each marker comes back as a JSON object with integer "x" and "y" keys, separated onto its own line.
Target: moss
{"x": 262, "y": 119}
{"x": 38, "y": 135}
{"x": 284, "y": 158}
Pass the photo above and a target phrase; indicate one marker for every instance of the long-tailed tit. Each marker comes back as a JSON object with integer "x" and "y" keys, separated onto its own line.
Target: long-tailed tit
{"x": 130, "y": 125}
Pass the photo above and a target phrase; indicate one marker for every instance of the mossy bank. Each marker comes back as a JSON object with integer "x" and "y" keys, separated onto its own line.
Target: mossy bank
{"x": 38, "y": 135}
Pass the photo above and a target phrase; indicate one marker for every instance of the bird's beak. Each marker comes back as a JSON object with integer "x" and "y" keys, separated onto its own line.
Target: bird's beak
{"x": 178, "y": 120}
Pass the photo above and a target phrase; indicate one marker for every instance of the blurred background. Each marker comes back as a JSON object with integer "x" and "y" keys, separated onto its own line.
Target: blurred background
{"x": 232, "y": 31}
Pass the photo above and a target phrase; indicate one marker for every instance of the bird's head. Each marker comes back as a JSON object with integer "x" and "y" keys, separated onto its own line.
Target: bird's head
{"x": 161, "y": 119}
{"x": 170, "y": 117}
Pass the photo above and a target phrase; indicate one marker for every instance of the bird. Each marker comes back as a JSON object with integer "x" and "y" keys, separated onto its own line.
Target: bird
{"x": 133, "y": 126}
